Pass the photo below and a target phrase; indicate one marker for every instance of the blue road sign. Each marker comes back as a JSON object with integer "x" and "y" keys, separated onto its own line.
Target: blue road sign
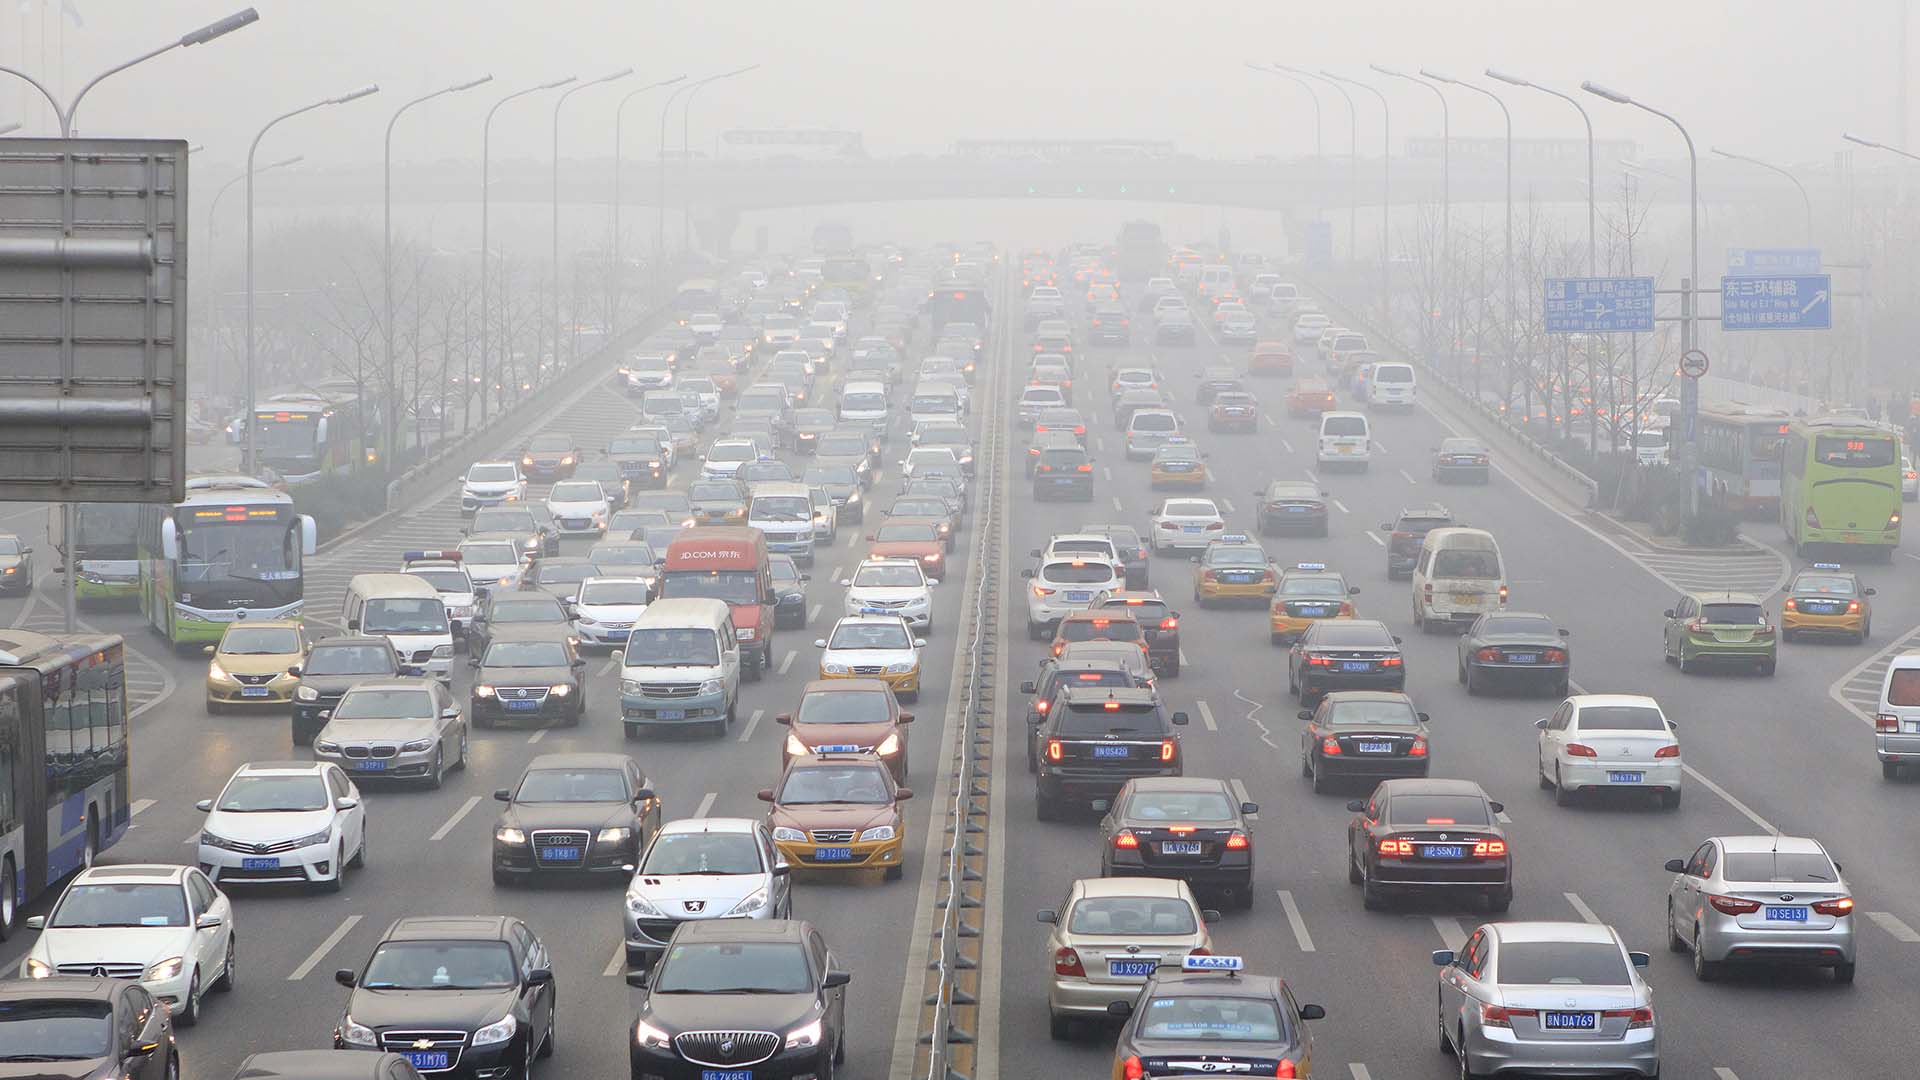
{"x": 1607, "y": 305}
{"x": 1772, "y": 262}
{"x": 1803, "y": 302}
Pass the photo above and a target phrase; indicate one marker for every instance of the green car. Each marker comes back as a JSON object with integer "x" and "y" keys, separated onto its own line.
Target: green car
{"x": 1720, "y": 628}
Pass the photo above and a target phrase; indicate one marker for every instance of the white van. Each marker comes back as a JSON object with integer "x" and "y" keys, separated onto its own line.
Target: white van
{"x": 1650, "y": 446}
{"x": 408, "y": 612}
{"x": 783, "y": 512}
{"x": 1284, "y": 298}
{"x": 1149, "y": 430}
{"x": 1216, "y": 279}
{"x": 1390, "y": 385}
{"x": 864, "y": 404}
{"x": 933, "y": 401}
{"x": 1458, "y": 577}
{"x": 681, "y": 667}
{"x": 1346, "y": 441}
{"x": 1896, "y": 724}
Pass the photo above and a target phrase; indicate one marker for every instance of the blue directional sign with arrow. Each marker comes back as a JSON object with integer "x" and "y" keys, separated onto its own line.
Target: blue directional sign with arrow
{"x": 1609, "y": 305}
{"x": 1802, "y": 302}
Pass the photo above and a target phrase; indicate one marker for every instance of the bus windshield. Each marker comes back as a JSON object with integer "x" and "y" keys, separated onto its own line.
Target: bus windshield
{"x": 106, "y": 531}
{"x": 248, "y": 553}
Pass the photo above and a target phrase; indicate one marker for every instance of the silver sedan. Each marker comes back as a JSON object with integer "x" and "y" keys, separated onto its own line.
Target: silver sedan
{"x": 1761, "y": 899}
{"x": 1546, "y": 997}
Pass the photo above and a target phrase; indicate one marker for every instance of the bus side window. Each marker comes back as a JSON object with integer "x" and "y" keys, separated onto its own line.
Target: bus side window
{"x": 9, "y": 754}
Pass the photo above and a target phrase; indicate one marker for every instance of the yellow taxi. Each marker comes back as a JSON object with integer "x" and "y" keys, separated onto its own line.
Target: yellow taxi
{"x": 1178, "y": 465}
{"x": 1307, "y": 592}
{"x": 874, "y": 644}
{"x": 1826, "y": 600}
{"x": 249, "y": 666}
{"x": 835, "y": 811}
{"x": 1232, "y": 568}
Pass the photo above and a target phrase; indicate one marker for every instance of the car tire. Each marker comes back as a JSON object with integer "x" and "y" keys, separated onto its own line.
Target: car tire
{"x": 9, "y": 910}
{"x": 339, "y": 879}
{"x": 1473, "y": 682}
{"x": 465, "y": 745}
{"x": 1460, "y": 673}
{"x": 1371, "y": 897}
{"x": 1440, "y": 1025}
{"x": 1767, "y": 667}
{"x": 1059, "y": 1027}
{"x": 1675, "y": 943}
{"x": 1321, "y": 782}
{"x": 1562, "y": 796}
{"x": 1500, "y": 900}
{"x": 1306, "y": 765}
{"x": 1670, "y": 800}
{"x": 1843, "y": 973}
{"x": 1243, "y": 895}
{"x": 359, "y": 861}
{"x": 1466, "y": 1067}
{"x": 553, "y": 1024}
{"x": 1704, "y": 970}
{"x": 1044, "y": 808}
{"x": 224, "y": 984}
{"x": 1354, "y": 876}
{"x": 188, "y": 1014}
{"x": 1171, "y": 669}
{"x": 437, "y": 776}
{"x": 501, "y": 879}
{"x": 894, "y": 873}
{"x": 1889, "y": 770}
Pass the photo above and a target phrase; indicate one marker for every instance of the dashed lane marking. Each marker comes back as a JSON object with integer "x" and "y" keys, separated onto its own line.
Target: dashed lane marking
{"x": 1891, "y": 923}
{"x": 1300, "y": 935}
{"x": 1375, "y": 539}
{"x": 1342, "y": 506}
{"x": 1227, "y": 505}
{"x": 1731, "y": 801}
{"x": 140, "y": 806}
{"x": 1721, "y": 1072}
{"x": 1448, "y": 927}
{"x": 617, "y": 963}
{"x": 1116, "y": 503}
{"x": 753, "y": 721}
{"x": 1503, "y": 818}
{"x": 1409, "y": 477}
{"x": 320, "y": 953}
{"x": 612, "y": 662}
{"x": 706, "y": 804}
{"x": 1579, "y": 905}
{"x": 536, "y": 737}
{"x": 440, "y": 833}
{"x": 814, "y": 611}
{"x": 786, "y": 662}
{"x": 1206, "y": 715}
{"x": 1285, "y": 443}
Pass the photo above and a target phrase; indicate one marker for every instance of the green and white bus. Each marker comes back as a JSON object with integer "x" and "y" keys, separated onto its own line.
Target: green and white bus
{"x": 305, "y": 434}
{"x": 231, "y": 551}
{"x": 105, "y": 546}
{"x": 1840, "y": 485}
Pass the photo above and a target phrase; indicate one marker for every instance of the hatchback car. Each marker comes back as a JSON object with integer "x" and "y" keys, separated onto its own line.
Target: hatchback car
{"x": 1110, "y": 935}
{"x": 695, "y": 869}
{"x": 1059, "y": 586}
{"x": 1722, "y": 629}
{"x": 1763, "y": 900}
{"x": 1423, "y": 835}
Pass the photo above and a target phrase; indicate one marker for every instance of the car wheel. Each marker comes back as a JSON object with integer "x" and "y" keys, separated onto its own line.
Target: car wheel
{"x": 1060, "y": 1027}
{"x": 1306, "y": 764}
{"x": 1704, "y": 970}
{"x": 501, "y": 879}
{"x": 1321, "y": 782}
{"x": 553, "y": 1023}
{"x": 360, "y": 857}
{"x": 1561, "y": 795}
{"x": 334, "y": 883}
{"x": 437, "y": 776}
{"x": 1371, "y": 897}
{"x": 1680, "y": 660}
{"x": 1466, "y": 1067}
{"x": 526, "y": 1059}
{"x": 224, "y": 983}
{"x": 189, "y": 1012}
{"x": 1473, "y": 682}
{"x": 1670, "y": 800}
{"x": 1766, "y": 667}
{"x": 1460, "y": 674}
{"x": 1843, "y": 973}
{"x": 1889, "y": 770}
{"x": 8, "y": 910}
{"x": 894, "y": 873}
{"x": 1243, "y": 895}
{"x": 1675, "y": 943}
{"x": 462, "y": 766}
{"x": 1440, "y": 1025}
{"x": 1499, "y": 900}
{"x": 1044, "y": 808}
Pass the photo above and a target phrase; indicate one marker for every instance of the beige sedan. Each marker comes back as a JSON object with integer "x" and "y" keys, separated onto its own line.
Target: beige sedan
{"x": 1109, "y": 935}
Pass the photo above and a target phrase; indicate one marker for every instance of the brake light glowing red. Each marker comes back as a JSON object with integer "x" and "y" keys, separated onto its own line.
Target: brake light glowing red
{"x": 1125, "y": 839}
{"x": 1838, "y": 907}
{"x": 1392, "y": 661}
{"x": 1285, "y": 1068}
{"x": 1330, "y": 745}
{"x": 1490, "y": 849}
{"x": 1733, "y": 905}
{"x": 1169, "y": 624}
{"x": 1055, "y": 751}
{"x": 1419, "y": 748}
{"x": 1167, "y": 749}
{"x": 1237, "y": 841}
{"x": 1396, "y": 846}
{"x": 1131, "y": 1069}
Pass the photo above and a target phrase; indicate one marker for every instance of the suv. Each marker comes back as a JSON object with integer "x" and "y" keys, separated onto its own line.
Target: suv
{"x": 1405, "y": 534}
{"x": 1092, "y": 740}
{"x": 1159, "y": 625}
{"x": 1063, "y": 472}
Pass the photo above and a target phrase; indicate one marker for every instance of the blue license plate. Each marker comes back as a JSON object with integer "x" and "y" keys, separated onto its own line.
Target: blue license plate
{"x": 618, "y": 635}
{"x": 260, "y": 864}
{"x": 837, "y": 748}
{"x": 1314, "y": 612}
{"x": 670, "y": 714}
{"x": 1063, "y": 481}
{"x": 1443, "y": 851}
{"x": 560, "y": 854}
{"x": 523, "y": 706}
{"x": 371, "y": 765}
{"x": 1079, "y": 597}
{"x": 254, "y": 691}
{"x": 1296, "y": 509}
{"x": 1355, "y": 665}
{"x": 1569, "y": 1021}
{"x": 1374, "y": 747}
{"x": 833, "y": 854}
{"x": 427, "y": 1059}
{"x": 1131, "y": 969}
{"x": 1180, "y": 847}
{"x": 1625, "y": 777}
{"x": 726, "y": 1074}
{"x": 1190, "y": 528}
{"x": 1522, "y": 658}
{"x": 1786, "y": 914}
{"x": 1110, "y": 751}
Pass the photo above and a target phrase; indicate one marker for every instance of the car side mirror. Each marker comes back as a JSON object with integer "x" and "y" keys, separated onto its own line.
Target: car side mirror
{"x": 1209, "y": 915}
{"x": 503, "y": 795}
{"x": 765, "y": 794}
{"x": 345, "y": 802}
{"x": 1442, "y": 957}
{"x": 353, "y": 624}
{"x": 1385, "y": 526}
{"x": 836, "y": 979}
{"x": 781, "y": 867}
{"x": 1497, "y": 807}
{"x": 209, "y": 650}
{"x": 1305, "y": 714}
{"x": 208, "y": 921}
{"x": 1541, "y": 723}
{"x": 637, "y": 978}
{"x": 783, "y": 718}
{"x": 294, "y": 671}
{"x": 204, "y": 805}
{"x": 1566, "y": 633}
{"x": 1640, "y": 959}
{"x": 1027, "y": 573}
{"x": 344, "y": 976}
{"x": 539, "y": 976}
{"x": 1312, "y": 1012}
{"x": 1871, "y": 591}
{"x": 902, "y": 794}
{"x": 1179, "y": 719}
{"x": 1424, "y": 718}
{"x": 1668, "y": 613}
{"x": 1676, "y": 866}
{"x": 1396, "y": 639}
{"x": 1358, "y": 806}
{"x": 1353, "y": 590}
{"x": 904, "y": 718}
{"x": 1048, "y": 916}
{"x": 1120, "y": 1010}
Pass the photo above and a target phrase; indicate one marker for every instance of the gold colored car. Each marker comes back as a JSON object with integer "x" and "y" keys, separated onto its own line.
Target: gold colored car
{"x": 249, "y": 666}
{"x": 1826, "y": 600}
{"x": 1306, "y": 593}
{"x": 1233, "y": 568}
{"x": 838, "y": 811}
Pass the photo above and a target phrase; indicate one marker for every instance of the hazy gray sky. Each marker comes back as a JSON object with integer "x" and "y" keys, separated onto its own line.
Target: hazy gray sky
{"x": 1779, "y": 78}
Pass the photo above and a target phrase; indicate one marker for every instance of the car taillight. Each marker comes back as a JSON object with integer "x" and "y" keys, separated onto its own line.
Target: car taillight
{"x": 1733, "y": 905}
{"x": 1838, "y": 907}
{"x": 1490, "y": 849}
{"x": 1067, "y": 962}
{"x": 1041, "y": 590}
{"x": 1238, "y": 841}
{"x": 1330, "y": 745}
{"x": 1575, "y": 749}
{"x": 1320, "y": 661}
{"x": 1268, "y": 576}
{"x": 1396, "y": 846}
{"x": 1428, "y": 590}
{"x": 1168, "y": 525}
{"x": 1489, "y": 653}
{"x": 1167, "y": 749}
{"x": 1207, "y": 575}
{"x": 1055, "y": 751}
{"x": 1125, "y": 839}
{"x": 1893, "y": 520}
{"x": 1886, "y": 722}
{"x": 1132, "y": 1069}
{"x": 1697, "y": 626}
{"x": 1813, "y": 519}
{"x": 1059, "y": 647}
{"x": 1419, "y": 748}
{"x": 1503, "y": 594}
{"x": 1086, "y": 468}
{"x": 1214, "y": 526}
{"x": 1635, "y": 1018}
{"x": 1169, "y": 624}
{"x": 1285, "y": 1068}
{"x": 1853, "y": 607}
{"x": 1398, "y": 536}
{"x": 1668, "y": 751}
{"x": 1556, "y": 656}
{"x": 1498, "y": 1015}
{"x": 1392, "y": 661}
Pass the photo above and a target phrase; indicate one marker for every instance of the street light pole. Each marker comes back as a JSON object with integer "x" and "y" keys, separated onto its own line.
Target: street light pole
{"x": 558, "y": 102}
{"x": 1506, "y": 327}
{"x": 213, "y": 216}
{"x": 390, "y": 428}
{"x": 615, "y": 274}
{"x": 1353, "y": 156}
{"x": 1806, "y": 201}
{"x": 686, "y": 158}
{"x": 660, "y": 200}
{"x": 486, "y": 256}
{"x": 1446, "y": 190}
{"x": 217, "y": 28}
{"x": 1592, "y": 211}
{"x": 1386, "y": 198}
{"x": 1311, "y": 96}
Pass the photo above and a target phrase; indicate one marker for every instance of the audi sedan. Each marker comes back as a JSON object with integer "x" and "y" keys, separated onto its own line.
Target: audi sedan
{"x": 573, "y": 815}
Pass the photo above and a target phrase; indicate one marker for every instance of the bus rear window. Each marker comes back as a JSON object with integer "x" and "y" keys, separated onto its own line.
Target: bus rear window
{"x": 1854, "y": 452}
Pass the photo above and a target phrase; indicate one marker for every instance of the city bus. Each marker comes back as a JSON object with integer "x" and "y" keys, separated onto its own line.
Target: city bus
{"x": 105, "y": 547}
{"x": 1841, "y": 485}
{"x": 1741, "y": 451}
{"x": 957, "y": 303}
{"x": 1142, "y": 251}
{"x": 64, "y": 780}
{"x": 308, "y": 433}
{"x": 850, "y": 272}
{"x": 231, "y": 551}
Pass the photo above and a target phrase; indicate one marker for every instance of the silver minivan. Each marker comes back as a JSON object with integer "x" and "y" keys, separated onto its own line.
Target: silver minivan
{"x": 1896, "y": 724}
{"x": 408, "y": 612}
{"x": 681, "y": 667}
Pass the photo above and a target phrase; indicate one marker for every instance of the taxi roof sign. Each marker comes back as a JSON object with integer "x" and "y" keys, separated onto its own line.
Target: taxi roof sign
{"x": 1310, "y": 566}
{"x": 1826, "y": 566}
{"x": 1235, "y": 538}
{"x": 1212, "y": 963}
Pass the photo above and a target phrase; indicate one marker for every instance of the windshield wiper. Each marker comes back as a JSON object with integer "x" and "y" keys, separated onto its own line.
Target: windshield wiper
{"x": 43, "y": 1057}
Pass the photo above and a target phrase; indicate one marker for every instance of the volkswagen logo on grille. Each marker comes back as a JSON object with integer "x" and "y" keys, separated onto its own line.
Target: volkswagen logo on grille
{"x": 519, "y": 693}
{"x": 726, "y": 1047}
{"x": 1443, "y": 836}
{"x": 695, "y": 906}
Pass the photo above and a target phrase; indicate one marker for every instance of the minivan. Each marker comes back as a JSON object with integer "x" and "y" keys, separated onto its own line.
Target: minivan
{"x": 1346, "y": 440}
{"x": 933, "y": 401}
{"x": 783, "y": 512}
{"x": 1896, "y": 724}
{"x": 864, "y": 404}
{"x": 1215, "y": 279}
{"x": 1458, "y": 577}
{"x": 408, "y": 612}
{"x": 1149, "y": 430}
{"x": 1390, "y": 385}
{"x": 681, "y": 667}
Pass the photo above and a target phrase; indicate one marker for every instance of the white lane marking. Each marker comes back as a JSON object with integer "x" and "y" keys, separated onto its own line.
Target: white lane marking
{"x": 1409, "y": 477}
{"x": 1728, "y": 796}
{"x": 1116, "y": 503}
{"x": 1206, "y": 716}
{"x": 706, "y": 804}
{"x": 1579, "y": 905}
{"x": 1381, "y": 445}
{"x": 1721, "y": 1072}
{"x": 1099, "y": 443}
{"x": 1892, "y": 925}
{"x": 1375, "y": 539}
{"x": 838, "y": 573}
{"x": 320, "y": 953}
{"x": 1359, "y": 1071}
{"x": 192, "y": 837}
{"x": 753, "y": 721}
{"x": 1106, "y": 472}
{"x": 1449, "y": 930}
{"x": 140, "y": 806}
{"x": 1240, "y": 794}
{"x": 1265, "y": 735}
{"x": 536, "y": 736}
{"x": 786, "y": 661}
{"x": 1286, "y": 444}
{"x": 814, "y": 611}
{"x": 440, "y": 833}
{"x": 612, "y": 662}
{"x": 1227, "y": 505}
{"x": 617, "y": 964}
{"x": 1300, "y": 935}
{"x": 1312, "y": 476}
{"x": 1183, "y": 658}
{"x": 1342, "y": 506}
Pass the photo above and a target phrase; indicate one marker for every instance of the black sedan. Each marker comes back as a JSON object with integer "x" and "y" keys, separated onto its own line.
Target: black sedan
{"x": 462, "y": 997}
{"x": 1344, "y": 654}
{"x": 330, "y": 667}
{"x": 528, "y": 673}
{"x": 1187, "y": 827}
{"x": 75, "y": 1026}
{"x": 571, "y": 815}
{"x": 1292, "y": 506}
{"x": 789, "y": 592}
{"x": 1363, "y": 733}
{"x": 497, "y": 611}
{"x": 1465, "y": 460}
{"x": 1431, "y": 836}
{"x": 1515, "y": 647}
{"x": 740, "y": 997}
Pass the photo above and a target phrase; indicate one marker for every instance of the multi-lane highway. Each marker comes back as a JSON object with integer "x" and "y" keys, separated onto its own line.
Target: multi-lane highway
{"x": 1761, "y": 754}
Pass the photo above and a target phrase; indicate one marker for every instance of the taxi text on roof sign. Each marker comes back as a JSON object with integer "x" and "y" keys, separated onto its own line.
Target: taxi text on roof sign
{"x": 1212, "y": 963}
{"x": 1310, "y": 566}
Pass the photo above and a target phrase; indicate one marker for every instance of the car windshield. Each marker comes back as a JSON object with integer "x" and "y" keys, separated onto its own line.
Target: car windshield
{"x": 912, "y": 532}
{"x": 549, "y": 444}
{"x": 525, "y": 654}
{"x": 675, "y": 647}
{"x": 735, "y": 968}
{"x": 563, "y": 573}
{"x": 1294, "y": 585}
{"x": 1733, "y": 614}
{"x": 1211, "y": 1019}
{"x": 1561, "y": 963}
{"x": 531, "y": 609}
{"x": 498, "y": 554}
{"x": 884, "y": 576}
{"x": 492, "y": 474}
{"x": 613, "y": 592}
{"x": 260, "y": 641}
{"x": 1785, "y": 866}
{"x": 1099, "y": 630}
{"x": 1236, "y": 556}
{"x": 1097, "y": 719}
{"x": 843, "y": 707}
{"x": 445, "y": 581}
{"x": 361, "y": 704}
{"x": 870, "y": 635}
{"x": 1425, "y": 809}
{"x": 1151, "y": 421}
{"x": 605, "y": 555}
{"x": 349, "y": 660}
{"x": 1132, "y": 916}
{"x": 1837, "y": 584}
{"x": 1519, "y": 625}
{"x": 702, "y": 853}
{"x": 731, "y": 451}
{"x": 1373, "y": 713}
{"x": 263, "y": 794}
{"x": 570, "y": 492}
{"x": 572, "y": 785}
{"x": 1180, "y": 806}
{"x": 504, "y": 519}
{"x": 723, "y": 491}
{"x": 404, "y": 615}
{"x": 440, "y": 965}
{"x": 863, "y": 784}
{"x": 1621, "y": 718}
{"x": 781, "y": 508}
{"x": 55, "y": 1029}
{"x": 1466, "y": 563}
{"x": 131, "y": 903}
{"x": 1461, "y": 446}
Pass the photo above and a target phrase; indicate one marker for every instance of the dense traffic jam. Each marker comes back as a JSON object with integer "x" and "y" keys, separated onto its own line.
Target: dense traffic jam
{"x": 796, "y": 417}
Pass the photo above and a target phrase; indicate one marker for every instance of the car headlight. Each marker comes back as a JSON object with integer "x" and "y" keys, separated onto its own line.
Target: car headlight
{"x": 212, "y": 839}
{"x": 313, "y": 839}
{"x": 169, "y": 968}
{"x": 640, "y": 905}
{"x": 442, "y": 652}
{"x": 878, "y": 832}
{"x": 852, "y": 498}
{"x": 753, "y": 902}
{"x": 560, "y": 689}
{"x": 507, "y": 834}
{"x": 804, "y": 1036}
{"x": 613, "y": 836}
{"x": 791, "y": 836}
{"x": 483, "y": 690}
{"x": 711, "y": 686}
{"x": 795, "y": 748}
{"x": 497, "y": 1032}
{"x": 888, "y": 746}
{"x": 743, "y": 633}
{"x": 38, "y": 969}
{"x": 417, "y": 745}
{"x": 834, "y": 669}
{"x": 902, "y": 667}
{"x": 216, "y": 672}
{"x": 354, "y": 1033}
{"x": 630, "y": 686}
{"x": 323, "y": 747}
{"x": 650, "y": 1037}
{"x": 306, "y": 693}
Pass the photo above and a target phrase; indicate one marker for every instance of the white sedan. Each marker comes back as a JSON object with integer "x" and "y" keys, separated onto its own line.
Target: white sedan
{"x": 301, "y": 822}
{"x": 1600, "y": 741}
{"x": 1307, "y": 328}
{"x": 1184, "y": 524}
{"x": 607, "y": 608}
{"x": 895, "y": 585}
